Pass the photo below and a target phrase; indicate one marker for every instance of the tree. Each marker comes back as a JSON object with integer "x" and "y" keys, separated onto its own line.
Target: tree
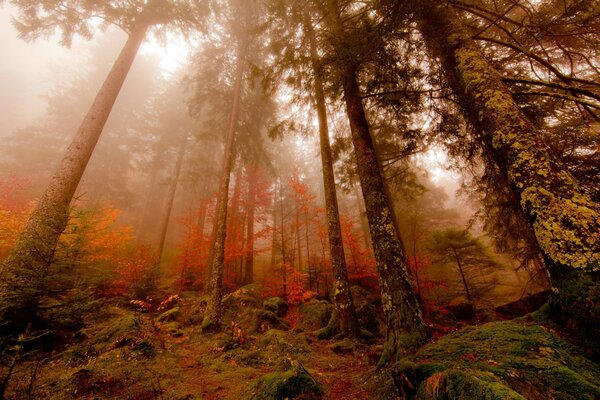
{"x": 473, "y": 263}
{"x": 36, "y": 245}
{"x": 405, "y": 327}
{"x": 342, "y": 297}
{"x": 564, "y": 219}
{"x": 213, "y": 312}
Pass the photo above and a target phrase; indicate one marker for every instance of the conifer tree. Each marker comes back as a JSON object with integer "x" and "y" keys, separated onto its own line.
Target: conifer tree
{"x": 23, "y": 271}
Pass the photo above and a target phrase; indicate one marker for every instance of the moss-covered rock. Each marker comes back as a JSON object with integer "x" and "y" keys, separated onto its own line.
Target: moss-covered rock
{"x": 276, "y": 305}
{"x": 345, "y": 346}
{"x": 314, "y": 315}
{"x": 499, "y": 360}
{"x": 263, "y": 320}
{"x": 294, "y": 383}
{"x": 170, "y": 315}
{"x": 368, "y": 317}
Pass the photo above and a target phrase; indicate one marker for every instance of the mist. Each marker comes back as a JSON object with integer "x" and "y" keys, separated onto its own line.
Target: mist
{"x": 201, "y": 195}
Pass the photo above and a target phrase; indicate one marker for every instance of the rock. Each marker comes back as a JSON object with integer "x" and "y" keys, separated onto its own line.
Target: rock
{"x": 367, "y": 317}
{"x": 262, "y": 321}
{"x": 314, "y": 315}
{"x": 294, "y": 383}
{"x": 464, "y": 311}
{"x": 524, "y": 305}
{"x": 276, "y": 305}
{"x": 498, "y": 360}
{"x": 170, "y": 315}
{"x": 346, "y": 346}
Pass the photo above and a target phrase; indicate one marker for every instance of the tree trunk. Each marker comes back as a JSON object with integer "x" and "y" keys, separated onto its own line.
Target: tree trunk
{"x": 233, "y": 220}
{"x": 405, "y": 327}
{"x": 342, "y": 297}
{"x": 251, "y": 207}
{"x": 564, "y": 219}
{"x": 171, "y": 191}
{"x": 283, "y": 256}
{"x": 462, "y": 275}
{"x": 150, "y": 195}
{"x": 22, "y": 273}
{"x": 213, "y": 312}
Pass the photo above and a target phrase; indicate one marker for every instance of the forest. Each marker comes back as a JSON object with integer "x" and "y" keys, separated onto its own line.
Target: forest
{"x": 284, "y": 199}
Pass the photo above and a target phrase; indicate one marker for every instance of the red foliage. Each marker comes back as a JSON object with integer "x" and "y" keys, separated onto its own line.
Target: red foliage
{"x": 15, "y": 207}
{"x": 359, "y": 259}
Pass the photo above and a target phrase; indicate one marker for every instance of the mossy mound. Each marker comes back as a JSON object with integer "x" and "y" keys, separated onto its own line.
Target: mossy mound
{"x": 314, "y": 315}
{"x": 119, "y": 331}
{"x": 262, "y": 321}
{"x": 276, "y": 305}
{"x": 498, "y": 360}
{"x": 294, "y": 383}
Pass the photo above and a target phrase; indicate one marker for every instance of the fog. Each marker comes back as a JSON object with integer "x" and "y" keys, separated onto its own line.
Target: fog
{"x": 216, "y": 141}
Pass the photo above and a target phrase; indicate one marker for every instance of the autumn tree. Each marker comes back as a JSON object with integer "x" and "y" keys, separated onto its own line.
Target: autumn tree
{"x": 35, "y": 248}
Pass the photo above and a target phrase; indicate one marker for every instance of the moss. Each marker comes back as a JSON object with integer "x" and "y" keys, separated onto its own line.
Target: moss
{"x": 290, "y": 384}
{"x": 502, "y": 357}
{"x": 262, "y": 321}
{"x": 118, "y": 330}
{"x": 455, "y": 384}
{"x": 314, "y": 315}
{"x": 170, "y": 315}
{"x": 276, "y": 305}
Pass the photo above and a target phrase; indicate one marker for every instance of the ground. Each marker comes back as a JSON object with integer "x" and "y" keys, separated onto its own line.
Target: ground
{"x": 269, "y": 350}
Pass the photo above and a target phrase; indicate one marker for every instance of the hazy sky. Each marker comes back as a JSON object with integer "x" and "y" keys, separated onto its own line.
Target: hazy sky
{"x": 29, "y": 70}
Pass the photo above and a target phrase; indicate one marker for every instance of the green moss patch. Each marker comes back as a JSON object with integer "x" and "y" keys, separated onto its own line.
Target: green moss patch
{"x": 498, "y": 360}
{"x": 294, "y": 383}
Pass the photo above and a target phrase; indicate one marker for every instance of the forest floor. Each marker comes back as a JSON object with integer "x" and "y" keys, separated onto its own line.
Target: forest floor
{"x": 270, "y": 351}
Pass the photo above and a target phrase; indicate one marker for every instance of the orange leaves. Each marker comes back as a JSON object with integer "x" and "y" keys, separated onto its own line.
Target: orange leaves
{"x": 15, "y": 208}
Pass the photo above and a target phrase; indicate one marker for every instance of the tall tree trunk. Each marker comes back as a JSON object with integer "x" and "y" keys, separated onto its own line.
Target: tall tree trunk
{"x": 283, "y": 253}
{"x": 213, "y": 312}
{"x": 565, "y": 221}
{"x": 233, "y": 219}
{"x": 405, "y": 327}
{"x": 171, "y": 191}
{"x": 202, "y": 208}
{"x": 462, "y": 275}
{"x": 22, "y": 273}
{"x": 342, "y": 297}
{"x": 251, "y": 208}
{"x": 364, "y": 221}
{"x": 297, "y": 230}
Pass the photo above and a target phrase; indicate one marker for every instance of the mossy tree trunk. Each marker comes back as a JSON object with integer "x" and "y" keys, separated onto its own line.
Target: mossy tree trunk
{"x": 405, "y": 327}
{"x": 22, "y": 274}
{"x": 342, "y": 297}
{"x": 564, "y": 219}
{"x": 213, "y": 312}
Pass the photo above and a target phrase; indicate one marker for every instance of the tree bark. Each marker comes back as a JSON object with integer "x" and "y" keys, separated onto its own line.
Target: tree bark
{"x": 251, "y": 208}
{"x": 22, "y": 273}
{"x": 171, "y": 191}
{"x": 213, "y": 312}
{"x": 233, "y": 220}
{"x": 565, "y": 220}
{"x": 405, "y": 327}
{"x": 342, "y": 297}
